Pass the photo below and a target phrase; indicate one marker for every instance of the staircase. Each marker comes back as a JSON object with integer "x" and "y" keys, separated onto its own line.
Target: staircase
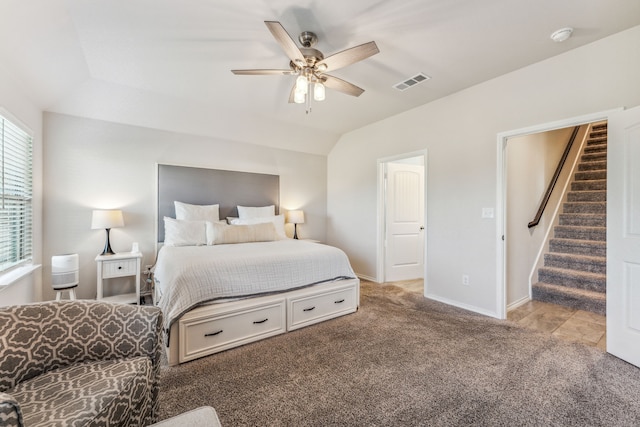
{"x": 574, "y": 271}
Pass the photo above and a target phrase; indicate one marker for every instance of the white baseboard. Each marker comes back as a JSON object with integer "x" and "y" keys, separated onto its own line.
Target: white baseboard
{"x": 463, "y": 306}
{"x": 518, "y": 303}
{"x": 365, "y": 277}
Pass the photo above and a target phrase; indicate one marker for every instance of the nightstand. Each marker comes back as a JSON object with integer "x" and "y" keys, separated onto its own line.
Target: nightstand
{"x": 123, "y": 264}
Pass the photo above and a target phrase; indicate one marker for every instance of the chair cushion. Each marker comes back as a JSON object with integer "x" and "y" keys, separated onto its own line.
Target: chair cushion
{"x": 110, "y": 392}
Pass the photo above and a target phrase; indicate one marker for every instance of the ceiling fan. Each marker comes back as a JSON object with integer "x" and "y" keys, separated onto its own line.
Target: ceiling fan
{"x": 310, "y": 65}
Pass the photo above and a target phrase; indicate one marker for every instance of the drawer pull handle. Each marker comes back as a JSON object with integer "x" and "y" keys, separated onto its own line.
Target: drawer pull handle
{"x": 211, "y": 334}
{"x": 260, "y": 321}
{"x": 339, "y": 301}
{"x": 119, "y": 267}
{"x": 309, "y": 309}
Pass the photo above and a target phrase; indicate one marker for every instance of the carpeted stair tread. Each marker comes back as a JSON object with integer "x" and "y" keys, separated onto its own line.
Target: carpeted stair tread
{"x": 578, "y": 247}
{"x": 586, "y": 263}
{"x": 595, "y": 148}
{"x": 594, "y": 156}
{"x": 600, "y": 165}
{"x": 587, "y": 196}
{"x": 585, "y": 207}
{"x": 580, "y": 232}
{"x": 587, "y": 219}
{"x": 589, "y": 175}
{"x": 574, "y": 279}
{"x": 586, "y": 185}
{"x": 580, "y": 299}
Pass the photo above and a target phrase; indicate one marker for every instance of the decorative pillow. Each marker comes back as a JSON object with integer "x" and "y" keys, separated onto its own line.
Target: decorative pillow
{"x": 184, "y": 233}
{"x": 221, "y": 234}
{"x": 245, "y": 212}
{"x": 277, "y": 220}
{"x": 197, "y": 212}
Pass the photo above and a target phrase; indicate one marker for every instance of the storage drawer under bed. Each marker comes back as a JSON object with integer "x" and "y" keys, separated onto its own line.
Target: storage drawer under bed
{"x": 208, "y": 330}
{"x": 305, "y": 310}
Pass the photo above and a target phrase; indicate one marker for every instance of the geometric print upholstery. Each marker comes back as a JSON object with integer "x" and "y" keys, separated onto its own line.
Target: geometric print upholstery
{"x": 39, "y": 338}
{"x": 111, "y": 392}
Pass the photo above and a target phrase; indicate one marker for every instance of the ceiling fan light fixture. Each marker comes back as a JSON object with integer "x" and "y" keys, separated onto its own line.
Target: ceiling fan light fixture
{"x": 562, "y": 34}
{"x": 318, "y": 91}
{"x": 298, "y": 97}
{"x": 302, "y": 85}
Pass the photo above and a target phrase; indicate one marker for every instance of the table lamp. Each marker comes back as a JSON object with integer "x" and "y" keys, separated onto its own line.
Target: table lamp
{"x": 107, "y": 219}
{"x": 295, "y": 218}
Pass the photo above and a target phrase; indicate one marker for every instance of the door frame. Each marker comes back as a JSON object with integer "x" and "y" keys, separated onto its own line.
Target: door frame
{"x": 501, "y": 195}
{"x": 381, "y": 216}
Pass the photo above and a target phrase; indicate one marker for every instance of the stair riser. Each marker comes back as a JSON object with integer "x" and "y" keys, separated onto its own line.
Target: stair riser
{"x": 594, "y": 185}
{"x": 600, "y": 135}
{"x": 577, "y": 249}
{"x": 595, "y": 149}
{"x": 559, "y": 261}
{"x": 580, "y": 233}
{"x": 591, "y": 175}
{"x": 584, "y": 220}
{"x": 596, "y": 141}
{"x": 585, "y": 207}
{"x": 587, "y": 196}
{"x": 592, "y": 166}
{"x": 597, "y": 306}
{"x": 594, "y": 157}
{"x": 566, "y": 279}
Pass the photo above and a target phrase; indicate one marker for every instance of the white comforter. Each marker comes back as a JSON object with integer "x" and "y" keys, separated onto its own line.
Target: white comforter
{"x": 192, "y": 275}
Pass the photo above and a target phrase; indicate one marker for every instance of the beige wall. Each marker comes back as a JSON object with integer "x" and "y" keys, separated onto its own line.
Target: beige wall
{"x": 95, "y": 164}
{"x": 460, "y": 133}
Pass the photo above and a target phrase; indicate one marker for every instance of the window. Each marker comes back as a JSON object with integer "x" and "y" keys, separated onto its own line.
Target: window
{"x": 16, "y": 212}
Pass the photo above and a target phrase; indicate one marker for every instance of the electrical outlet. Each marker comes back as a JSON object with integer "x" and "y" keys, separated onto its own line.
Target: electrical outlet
{"x": 465, "y": 280}
{"x": 147, "y": 269}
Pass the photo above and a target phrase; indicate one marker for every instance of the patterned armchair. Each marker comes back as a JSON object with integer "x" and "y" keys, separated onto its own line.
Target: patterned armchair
{"x": 79, "y": 363}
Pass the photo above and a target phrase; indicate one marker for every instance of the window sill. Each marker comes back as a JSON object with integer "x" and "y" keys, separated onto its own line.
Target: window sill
{"x": 17, "y": 274}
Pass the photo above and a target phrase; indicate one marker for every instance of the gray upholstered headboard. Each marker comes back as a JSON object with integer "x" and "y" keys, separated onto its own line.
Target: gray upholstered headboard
{"x": 201, "y": 186}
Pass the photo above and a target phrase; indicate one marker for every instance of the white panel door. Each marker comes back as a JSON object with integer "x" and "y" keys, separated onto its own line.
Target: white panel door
{"x": 404, "y": 250}
{"x": 623, "y": 236}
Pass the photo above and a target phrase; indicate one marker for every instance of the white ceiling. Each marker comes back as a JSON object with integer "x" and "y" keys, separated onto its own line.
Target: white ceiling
{"x": 166, "y": 64}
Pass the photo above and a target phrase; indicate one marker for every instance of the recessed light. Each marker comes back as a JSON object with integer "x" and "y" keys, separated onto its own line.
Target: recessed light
{"x": 562, "y": 34}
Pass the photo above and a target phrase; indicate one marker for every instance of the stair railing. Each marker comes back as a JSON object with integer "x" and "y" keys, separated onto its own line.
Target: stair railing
{"x": 554, "y": 179}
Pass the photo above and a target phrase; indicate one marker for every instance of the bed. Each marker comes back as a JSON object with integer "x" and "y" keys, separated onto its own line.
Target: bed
{"x": 229, "y": 285}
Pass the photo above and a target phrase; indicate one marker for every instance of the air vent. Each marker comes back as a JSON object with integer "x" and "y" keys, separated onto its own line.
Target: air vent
{"x": 418, "y": 78}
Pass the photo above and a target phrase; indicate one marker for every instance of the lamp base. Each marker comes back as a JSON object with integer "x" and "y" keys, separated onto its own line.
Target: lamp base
{"x": 107, "y": 246}
{"x": 295, "y": 231}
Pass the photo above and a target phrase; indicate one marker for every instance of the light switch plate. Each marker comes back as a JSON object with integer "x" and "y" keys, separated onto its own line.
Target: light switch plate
{"x": 487, "y": 212}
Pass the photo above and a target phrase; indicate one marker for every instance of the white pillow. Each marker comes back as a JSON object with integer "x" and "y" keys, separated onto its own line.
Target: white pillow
{"x": 245, "y": 212}
{"x": 220, "y": 234}
{"x": 277, "y": 220}
{"x": 197, "y": 212}
{"x": 184, "y": 233}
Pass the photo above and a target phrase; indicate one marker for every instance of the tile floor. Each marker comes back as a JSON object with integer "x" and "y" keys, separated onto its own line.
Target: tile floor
{"x": 561, "y": 322}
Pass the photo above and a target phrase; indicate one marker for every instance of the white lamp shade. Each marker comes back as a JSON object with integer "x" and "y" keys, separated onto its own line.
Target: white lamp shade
{"x": 295, "y": 217}
{"x": 107, "y": 219}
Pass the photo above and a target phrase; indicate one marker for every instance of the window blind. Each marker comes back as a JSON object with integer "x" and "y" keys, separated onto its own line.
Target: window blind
{"x": 16, "y": 212}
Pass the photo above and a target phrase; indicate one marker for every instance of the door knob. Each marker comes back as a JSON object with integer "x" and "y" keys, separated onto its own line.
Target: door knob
{"x": 422, "y": 227}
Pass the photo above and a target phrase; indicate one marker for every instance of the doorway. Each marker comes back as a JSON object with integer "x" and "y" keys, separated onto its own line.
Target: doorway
{"x": 402, "y": 218}
{"x": 503, "y": 202}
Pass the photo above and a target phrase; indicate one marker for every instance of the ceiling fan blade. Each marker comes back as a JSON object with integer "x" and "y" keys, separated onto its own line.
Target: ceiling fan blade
{"x": 348, "y": 56}
{"x": 263, "y": 72}
{"x": 341, "y": 85}
{"x": 286, "y": 42}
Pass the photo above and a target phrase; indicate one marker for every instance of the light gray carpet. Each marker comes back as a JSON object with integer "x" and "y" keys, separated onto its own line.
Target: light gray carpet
{"x": 404, "y": 360}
